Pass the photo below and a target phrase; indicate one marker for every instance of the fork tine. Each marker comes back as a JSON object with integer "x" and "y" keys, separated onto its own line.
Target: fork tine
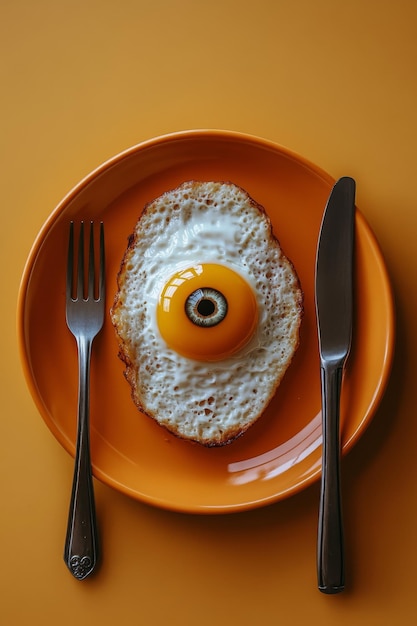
{"x": 80, "y": 277}
{"x": 70, "y": 262}
{"x": 102, "y": 263}
{"x": 91, "y": 264}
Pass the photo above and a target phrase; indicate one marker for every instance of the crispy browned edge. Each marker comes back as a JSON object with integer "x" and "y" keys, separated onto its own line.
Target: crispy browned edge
{"x": 130, "y": 371}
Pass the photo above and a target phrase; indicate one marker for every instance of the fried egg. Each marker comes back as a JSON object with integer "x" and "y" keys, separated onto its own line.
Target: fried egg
{"x": 207, "y": 311}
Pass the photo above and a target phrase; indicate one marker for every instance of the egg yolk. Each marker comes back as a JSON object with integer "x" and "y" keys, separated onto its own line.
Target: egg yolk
{"x": 207, "y": 312}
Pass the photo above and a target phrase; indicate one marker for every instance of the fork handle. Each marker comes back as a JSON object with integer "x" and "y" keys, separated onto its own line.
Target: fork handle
{"x": 330, "y": 551}
{"x": 81, "y": 544}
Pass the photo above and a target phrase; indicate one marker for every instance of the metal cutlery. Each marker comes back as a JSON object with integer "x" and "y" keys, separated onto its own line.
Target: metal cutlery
{"x": 334, "y": 296}
{"x": 85, "y": 300}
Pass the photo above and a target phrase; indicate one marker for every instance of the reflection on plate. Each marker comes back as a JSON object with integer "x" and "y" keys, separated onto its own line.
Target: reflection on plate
{"x": 281, "y": 453}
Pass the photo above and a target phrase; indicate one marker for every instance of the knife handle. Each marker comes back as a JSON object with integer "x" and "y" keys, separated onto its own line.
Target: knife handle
{"x": 330, "y": 556}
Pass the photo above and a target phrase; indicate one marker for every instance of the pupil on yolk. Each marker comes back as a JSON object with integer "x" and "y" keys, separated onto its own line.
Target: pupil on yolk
{"x": 207, "y": 323}
{"x": 206, "y": 307}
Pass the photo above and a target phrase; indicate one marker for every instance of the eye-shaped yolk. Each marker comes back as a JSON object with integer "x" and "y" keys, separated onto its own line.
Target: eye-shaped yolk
{"x": 207, "y": 312}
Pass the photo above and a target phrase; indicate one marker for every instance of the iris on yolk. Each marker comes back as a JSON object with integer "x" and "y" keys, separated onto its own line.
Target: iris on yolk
{"x": 206, "y": 307}
{"x": 207, "y": 312}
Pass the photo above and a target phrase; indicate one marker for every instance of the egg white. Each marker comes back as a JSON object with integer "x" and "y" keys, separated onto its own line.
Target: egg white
{"x": 199, "y": 223}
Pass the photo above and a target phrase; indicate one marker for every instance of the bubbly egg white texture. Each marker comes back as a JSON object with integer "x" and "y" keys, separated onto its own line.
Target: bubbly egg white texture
{"x": 199, "y": 223}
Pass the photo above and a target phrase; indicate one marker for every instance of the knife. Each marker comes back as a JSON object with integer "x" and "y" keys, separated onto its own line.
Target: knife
{"x": 334, "y": 304}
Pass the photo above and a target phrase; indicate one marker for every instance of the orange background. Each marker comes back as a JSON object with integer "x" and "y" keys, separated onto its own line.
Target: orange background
{"x": 333, "y": 81}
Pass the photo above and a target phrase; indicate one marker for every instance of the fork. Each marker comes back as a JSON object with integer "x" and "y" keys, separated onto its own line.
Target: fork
{"x": 85, "y": 317}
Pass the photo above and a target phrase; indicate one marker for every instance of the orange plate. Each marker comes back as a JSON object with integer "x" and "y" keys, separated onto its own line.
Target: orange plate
{"x": 280, "y": 454}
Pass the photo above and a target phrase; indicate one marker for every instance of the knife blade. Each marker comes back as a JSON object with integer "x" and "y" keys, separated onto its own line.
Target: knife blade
{"x": 334, "y": 305}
